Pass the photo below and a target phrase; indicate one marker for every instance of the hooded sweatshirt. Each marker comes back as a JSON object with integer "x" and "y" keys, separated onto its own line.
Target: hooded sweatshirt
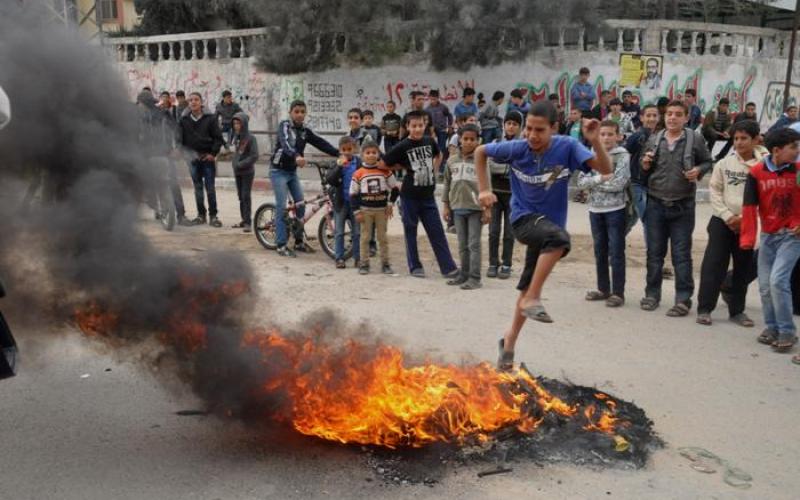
{"x": 201, "y": 135}
{"x": 608, "y": 196}
{"x": 246, "y": 153}
{"x": 726, "y": 187}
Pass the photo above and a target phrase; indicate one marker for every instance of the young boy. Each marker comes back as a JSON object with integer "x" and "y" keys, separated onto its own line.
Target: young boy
{"x": 489, "y": 118}
{"x": 441, "y": 118}
{"x": 636, "y": 147}
{"x": 369, "y": 127}
{"x": 716, "y": 127}
{"x": 518, "y": 103}
{"x": 453, "y": 144}
{"x": 541, "y": 164}
{"x": 225, "y": 111}
{"x": 288, "y": 153}
{"x": 607, "y": 216}
{"x": 501, "y": 211}
{"x": 573, "y": 125}
{"x": 390, "y": 127}
{"x": 354, "y": 122}
{"x": 373, "y": 191}
{"x": 582, "y": 95}
{"x": 467, "y": 104}
{"x": 419, "y": 155}
{"x": 674, "y": 161}
{"x": 772, "y": 193}
{"x": 726, "y": 188}
{"x": 245, "y": 155}
{"x": 460, "y": 200}
{"x": 616, "y": 115}
{"x": 340, "y": 178}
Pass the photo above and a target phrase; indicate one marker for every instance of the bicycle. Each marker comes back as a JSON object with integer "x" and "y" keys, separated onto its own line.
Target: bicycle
{"x": 264, "y": 221}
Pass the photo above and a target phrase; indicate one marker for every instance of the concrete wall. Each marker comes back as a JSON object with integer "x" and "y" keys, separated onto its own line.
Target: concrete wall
{"x": 331, "y": 93}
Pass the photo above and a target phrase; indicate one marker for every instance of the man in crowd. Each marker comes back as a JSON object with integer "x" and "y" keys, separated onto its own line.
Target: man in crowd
{"x": 716, "y": 127}
{"x": 582, "y": 94}
{"x": 441, "y": 119}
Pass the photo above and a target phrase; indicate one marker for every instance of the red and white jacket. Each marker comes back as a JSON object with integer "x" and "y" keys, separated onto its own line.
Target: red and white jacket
{"x": 772, "y": 196}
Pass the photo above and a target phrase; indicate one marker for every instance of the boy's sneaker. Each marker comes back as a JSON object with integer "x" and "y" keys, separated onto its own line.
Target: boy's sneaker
{"x": 363, "y": 269}
{"x": 183, "y": 221}
{"x": 418, "y": 272}
{"x": 303, "y": 247}
{"x": 387, "y": 269}
{"x": 340, "y": 264}
{"x": 455, "y": 273}
{"x": 491, "y": 272}
{"x": 198, "y": 221}
{"x": 505, "y": 360}
{"x": 285, "y": 251}
{"x": 458, "y": 281}
{"x": 215, "y": 222}
{"x": 471, "y": 284}
{"x": 505, "y": 272}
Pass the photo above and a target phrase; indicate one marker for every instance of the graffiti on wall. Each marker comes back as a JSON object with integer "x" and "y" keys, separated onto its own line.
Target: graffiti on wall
{"x": 561, "y": 87}
{"x": 773, "y": 105}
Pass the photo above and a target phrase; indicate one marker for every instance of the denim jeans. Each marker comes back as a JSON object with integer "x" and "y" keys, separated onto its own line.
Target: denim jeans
{"x": 501, "y": 222}
{"x": 414, "y": 211}
{"x": 286, "y": 183}
{"x": 227, "y": 133}
{"x": 670, "y": 223}
{"x": 777, "y": 257}
{"x": 441, "y": 141}
{"x": 204, "y": 173}
{"x": 244, "y": 187}
{"x": 489, "y": 135}
{"x": 468, "y": 228}
{"x": 340, "y": 218}
{"x": 608, "y": 233}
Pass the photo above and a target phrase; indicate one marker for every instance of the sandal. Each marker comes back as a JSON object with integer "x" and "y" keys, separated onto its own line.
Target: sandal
{"x": 742, "y": 319}
{"x": 704, "y": 319}
{"x": 615, "y": 301}
{"x": 648, "y": 304}
{"x": 505, "y": 360}
{"x": 784, "y": 345}
{"x": 796, "y": 359}
{"x": 537, "y": 313}
{"x": 340, "y": 264}
{"x": 239, "y": 225}
{"x": 767, "y": 337}
{"x": 594, "y": 295}
{"x": 679, "y": 310}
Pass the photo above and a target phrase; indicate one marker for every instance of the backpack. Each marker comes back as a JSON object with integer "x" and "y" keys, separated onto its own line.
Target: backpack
{"x": 688, "y": 150}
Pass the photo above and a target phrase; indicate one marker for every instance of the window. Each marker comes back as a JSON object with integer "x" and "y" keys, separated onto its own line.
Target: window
{"x": 108, "y": 10}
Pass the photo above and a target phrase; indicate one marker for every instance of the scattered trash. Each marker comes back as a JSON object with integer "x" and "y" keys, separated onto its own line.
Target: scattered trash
{"x": 732, "y": 476}
{"x": 85, "y": 375}
{"x": 198, "y": 249}
{"x": 498, "y": 470}
{"x": 108, "y": 369}
{"x": 191, "y": 413}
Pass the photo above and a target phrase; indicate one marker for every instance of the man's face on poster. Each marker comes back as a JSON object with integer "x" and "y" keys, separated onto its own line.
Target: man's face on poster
{"x": 652, "y": 68}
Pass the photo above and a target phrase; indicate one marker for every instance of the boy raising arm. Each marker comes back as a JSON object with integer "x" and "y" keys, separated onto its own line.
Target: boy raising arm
{"x": 540, "y": 168}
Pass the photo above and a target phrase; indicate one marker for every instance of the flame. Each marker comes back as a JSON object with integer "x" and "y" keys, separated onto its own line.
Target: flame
{"x": 368, "y": 394}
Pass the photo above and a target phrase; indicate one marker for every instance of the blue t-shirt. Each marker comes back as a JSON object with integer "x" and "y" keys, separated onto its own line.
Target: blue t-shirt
{"x": 462, "y": 108}
{"x": 539, "y": 182}
{"x": 582, "y": 95}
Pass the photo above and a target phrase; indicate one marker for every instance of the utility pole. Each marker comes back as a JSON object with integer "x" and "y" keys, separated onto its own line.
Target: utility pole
{"x": 99, "y": 20}
{"x": 789, "y": 65}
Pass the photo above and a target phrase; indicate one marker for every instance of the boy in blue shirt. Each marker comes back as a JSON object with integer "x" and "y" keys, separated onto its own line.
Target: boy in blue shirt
{"x": 540, "y": 166}
{"x": 582, "y": 94}
{"x": 467, "y": 104}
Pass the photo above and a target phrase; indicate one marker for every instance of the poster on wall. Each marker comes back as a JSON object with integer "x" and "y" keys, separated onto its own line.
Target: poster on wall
{"x": 641, "y": 71}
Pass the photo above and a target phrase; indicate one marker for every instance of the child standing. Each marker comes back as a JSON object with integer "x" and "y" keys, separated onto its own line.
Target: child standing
{"x": 460, "y": 200}
{"x": 339, "y": 178}
{"x": 501, "y": 211}
{"x": 726, "y": 189}
{"x": 390, "y": 127}
{"x": 245, "y": 155}
{"x": 773, "y": 193}
{"x": 419, "y": 155}
{"x": 369, "y": 127}
{"x": 354, "y": 122}
{"x": 373, "y": 191}
{"x": 607, "y": 217}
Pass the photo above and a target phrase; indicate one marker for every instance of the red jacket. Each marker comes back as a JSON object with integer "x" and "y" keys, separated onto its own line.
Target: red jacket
{"x": 775, "y": 197}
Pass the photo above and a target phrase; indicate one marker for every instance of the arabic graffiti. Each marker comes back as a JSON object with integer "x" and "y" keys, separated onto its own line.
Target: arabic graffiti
{"x": 398, "y": 91}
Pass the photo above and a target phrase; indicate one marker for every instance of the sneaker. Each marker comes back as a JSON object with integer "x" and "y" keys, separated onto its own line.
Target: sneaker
{"x": 303, "y": 247}
{"x": 285, "y": 251}
{"x": 387, "y": 269}
{"x": 363, "y": 269}
{"x": 455, "y": 273}
{"x": 458, "y": 281}
{"x": 418, "y": 272}
{"x": 471, "y": 284}
{"x": 340, "y": 264}
{"x": 505, "y": 360}
{"x": 491, "y": 272}
{"x": 215, "y": 222}
{"x": 199, "y": 220}
{"x": 248, "y": 229}
{"x": 505, "y": 272}
{"x": 183, "y": 221}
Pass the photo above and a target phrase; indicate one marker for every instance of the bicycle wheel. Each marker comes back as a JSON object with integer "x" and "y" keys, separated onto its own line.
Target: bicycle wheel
{"x": 326, "y": 233}
{"x": 264, "y": 226}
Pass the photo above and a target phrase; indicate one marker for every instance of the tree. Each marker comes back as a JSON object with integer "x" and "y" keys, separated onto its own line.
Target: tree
{"x": 161, "y": 17}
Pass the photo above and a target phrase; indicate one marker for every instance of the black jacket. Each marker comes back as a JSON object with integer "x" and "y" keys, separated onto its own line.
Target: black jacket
{"x": 291, "y": 141}
{"x": 245, "y": 153}
{"x": 202, "y": 136}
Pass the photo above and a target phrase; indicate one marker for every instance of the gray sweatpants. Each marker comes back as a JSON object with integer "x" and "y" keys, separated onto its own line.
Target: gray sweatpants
{"x": 468, "y": 228}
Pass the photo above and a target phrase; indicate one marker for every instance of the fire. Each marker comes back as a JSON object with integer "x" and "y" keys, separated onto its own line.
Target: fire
{"x": 353, "y": 392}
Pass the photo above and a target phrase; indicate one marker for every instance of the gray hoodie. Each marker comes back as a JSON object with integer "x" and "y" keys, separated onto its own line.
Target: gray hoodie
{"x": 245, "y": 153}
{"x": 608, "y": 196}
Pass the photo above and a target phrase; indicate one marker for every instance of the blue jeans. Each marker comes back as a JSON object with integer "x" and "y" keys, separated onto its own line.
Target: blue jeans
{"x": 640, "y": 205}
{"x": 286, "y": 183}
{"x": 204, "y": 173}
{"x": 608, "y": 233}
{"x": 340, "y": 218}
{"x": 670, "y": 223}
{"x": 441, "y": 141}
{"x": 425, "y": 210}
{"x": 489, "y": 135}
{"x": 227, "y": 133}
{"x": 777, "y": 257}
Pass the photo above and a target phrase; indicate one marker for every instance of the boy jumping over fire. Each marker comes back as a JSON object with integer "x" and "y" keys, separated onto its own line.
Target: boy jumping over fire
{"x": 540, "y": 165}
